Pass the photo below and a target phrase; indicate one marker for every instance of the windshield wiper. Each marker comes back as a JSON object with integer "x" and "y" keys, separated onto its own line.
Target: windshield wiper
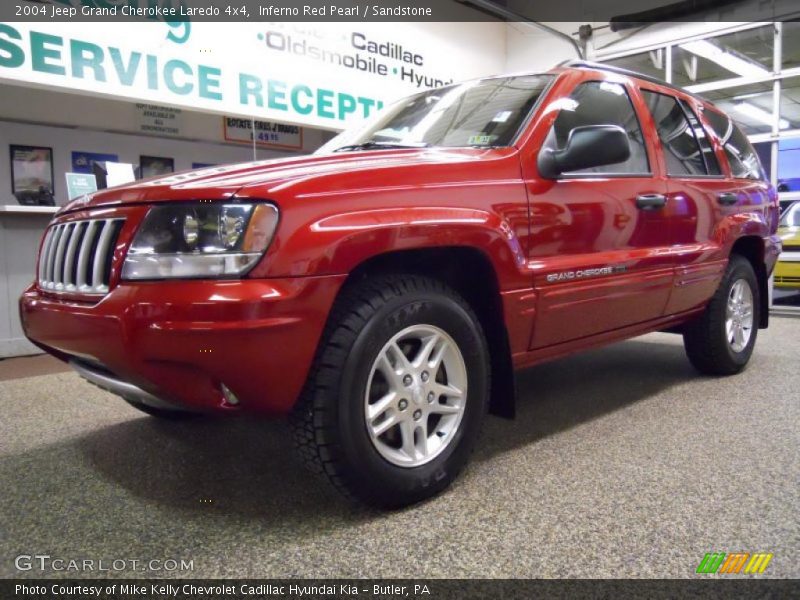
{"x": 381, "y": 145}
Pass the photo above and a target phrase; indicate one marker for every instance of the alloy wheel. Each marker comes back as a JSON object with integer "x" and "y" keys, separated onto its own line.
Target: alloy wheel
{"x": 739, "y": 315}
{"x": 416, "y": 395}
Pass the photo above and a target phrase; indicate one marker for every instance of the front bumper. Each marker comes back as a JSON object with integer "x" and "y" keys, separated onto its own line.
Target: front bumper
{"x": 181, "y": 340}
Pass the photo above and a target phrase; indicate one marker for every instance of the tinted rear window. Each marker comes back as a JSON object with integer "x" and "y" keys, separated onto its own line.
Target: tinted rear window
{"x": 741, "y": 155}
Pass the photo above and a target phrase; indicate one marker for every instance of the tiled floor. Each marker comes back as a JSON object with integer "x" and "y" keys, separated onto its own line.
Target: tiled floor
{"x": 30, "y": 366}
{"x": 621, "y": 462}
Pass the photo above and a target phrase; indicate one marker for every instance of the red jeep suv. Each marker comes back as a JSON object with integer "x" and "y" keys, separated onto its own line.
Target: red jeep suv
{"x": 382, "y": 291}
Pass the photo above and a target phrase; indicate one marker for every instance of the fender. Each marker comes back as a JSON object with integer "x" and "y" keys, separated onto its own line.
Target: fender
{"x": 736, "y": 226}
{"x": 343, "y": 241}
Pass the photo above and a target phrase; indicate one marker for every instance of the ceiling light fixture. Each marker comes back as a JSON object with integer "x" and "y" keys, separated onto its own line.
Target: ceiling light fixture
{"x": 727, "y": 60}
{"x": 759, "y": 114}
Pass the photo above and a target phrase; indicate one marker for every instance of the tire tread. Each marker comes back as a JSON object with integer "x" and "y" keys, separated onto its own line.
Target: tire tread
{"x": 707, "y": 352}
{"x": 314, "y": 417}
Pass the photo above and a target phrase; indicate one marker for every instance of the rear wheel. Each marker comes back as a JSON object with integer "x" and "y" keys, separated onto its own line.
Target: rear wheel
{"x": 721, "y": 340}
{"x": 396, "y": 397}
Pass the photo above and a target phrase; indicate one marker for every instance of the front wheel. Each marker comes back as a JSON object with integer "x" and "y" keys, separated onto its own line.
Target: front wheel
{"x": 396, "y": 397}
{"x": 721, "y": 340}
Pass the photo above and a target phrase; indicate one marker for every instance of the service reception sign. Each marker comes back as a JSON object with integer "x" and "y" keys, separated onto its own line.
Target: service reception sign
{"x": 316, "y": 74}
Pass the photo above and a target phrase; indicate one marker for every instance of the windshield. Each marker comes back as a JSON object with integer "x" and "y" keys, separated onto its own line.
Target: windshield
{"x": 487, "y": 112}
{"x": 791, "y": 218}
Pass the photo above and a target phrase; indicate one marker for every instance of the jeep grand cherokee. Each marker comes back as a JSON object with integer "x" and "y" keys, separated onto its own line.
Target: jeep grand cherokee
{"x": 383, "y": 291}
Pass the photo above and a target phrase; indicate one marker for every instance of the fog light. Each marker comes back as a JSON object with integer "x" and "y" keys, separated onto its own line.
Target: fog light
{"x": 230, "y": 397}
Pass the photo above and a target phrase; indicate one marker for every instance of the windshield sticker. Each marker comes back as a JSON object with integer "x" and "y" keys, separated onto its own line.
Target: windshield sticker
{"x": 479, "y": 140}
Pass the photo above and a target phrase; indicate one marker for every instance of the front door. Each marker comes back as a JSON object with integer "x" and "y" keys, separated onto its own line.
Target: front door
{"x": 599, "y": 243}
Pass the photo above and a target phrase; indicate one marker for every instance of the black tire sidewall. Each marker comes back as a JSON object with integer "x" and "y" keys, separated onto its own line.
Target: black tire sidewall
{"x": 741, "y": 269}
{"x": 375, "y": 477}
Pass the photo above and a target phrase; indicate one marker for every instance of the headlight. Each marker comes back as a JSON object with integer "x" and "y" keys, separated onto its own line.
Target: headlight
{"x": 200, "y": 240}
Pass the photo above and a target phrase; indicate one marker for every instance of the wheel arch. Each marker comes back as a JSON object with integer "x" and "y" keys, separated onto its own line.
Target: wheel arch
{"x": 471, "y": 273}
{"x": 751, "y": 247}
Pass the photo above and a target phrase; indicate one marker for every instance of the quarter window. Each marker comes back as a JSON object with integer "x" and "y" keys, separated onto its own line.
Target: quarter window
{"x": 679, "y": 139}
{"x": 710, "y": 157}
{"x": 601, "y": 103}
{"x": 741, "y": 155}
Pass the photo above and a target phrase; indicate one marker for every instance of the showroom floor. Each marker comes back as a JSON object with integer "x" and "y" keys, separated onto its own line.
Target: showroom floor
{"x": 623, "y": 462}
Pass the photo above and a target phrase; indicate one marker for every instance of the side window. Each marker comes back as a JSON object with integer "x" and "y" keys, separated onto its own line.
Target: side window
{"x": 601, "y": 103}
{"x": 681, "y": 149}
{"x": 741, "y": 155}
{"x": 710, "y": 157}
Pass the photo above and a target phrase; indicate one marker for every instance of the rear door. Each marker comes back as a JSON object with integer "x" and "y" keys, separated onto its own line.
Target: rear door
{"x": 599, "y": 237}
{"x": 695, "y": 183}
{"x": 704, "y": 199}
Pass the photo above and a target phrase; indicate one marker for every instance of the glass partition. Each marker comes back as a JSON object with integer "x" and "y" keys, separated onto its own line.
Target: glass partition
{"x": 790, "y": 104}
{"x": 651, "y": 63}
{"x": 751, "y": 106}
{"x": 790, "y": 45}
{"x": 746, "y": 54}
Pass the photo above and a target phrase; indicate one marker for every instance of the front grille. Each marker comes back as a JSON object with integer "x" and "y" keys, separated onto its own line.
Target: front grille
{"x": 76, "y": 256}
{"x": 785, "y": 279}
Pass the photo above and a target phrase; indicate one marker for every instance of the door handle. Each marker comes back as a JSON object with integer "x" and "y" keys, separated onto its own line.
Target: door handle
{"x": 727, "y": 198}
{"x": 650, "y": 201}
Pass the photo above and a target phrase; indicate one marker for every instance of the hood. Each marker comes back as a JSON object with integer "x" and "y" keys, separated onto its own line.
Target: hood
{"x": 280, "y": 175}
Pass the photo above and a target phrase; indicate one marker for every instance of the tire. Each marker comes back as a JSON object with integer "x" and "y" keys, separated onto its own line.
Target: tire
{"x": 339, "y": 415}
{"x": 708, "y": 342}
{"x": 167, "y": 414}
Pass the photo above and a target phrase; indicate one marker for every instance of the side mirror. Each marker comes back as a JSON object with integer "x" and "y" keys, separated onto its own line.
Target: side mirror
{"x": 588, "y": 146}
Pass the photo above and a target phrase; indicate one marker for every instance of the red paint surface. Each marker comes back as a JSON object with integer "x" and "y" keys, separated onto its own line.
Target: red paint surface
{"x": 340, "y": 210}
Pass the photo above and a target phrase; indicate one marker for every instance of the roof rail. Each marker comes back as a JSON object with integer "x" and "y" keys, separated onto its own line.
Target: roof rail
{"x": 586, "y": 64}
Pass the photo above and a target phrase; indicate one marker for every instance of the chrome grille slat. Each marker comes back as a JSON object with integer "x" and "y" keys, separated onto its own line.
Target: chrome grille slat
{"x": 51, "y": 258}
{"x": 58, "y": 270}
{"x": 83, "y": 257}
{"x": 88, "y": 243}
{"x": 69, "y": 259}
{"x": 100, "y": 255}
{"x": 48, "y": 238}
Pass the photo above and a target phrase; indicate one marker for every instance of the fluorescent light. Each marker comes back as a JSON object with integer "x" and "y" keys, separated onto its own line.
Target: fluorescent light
{"x": 759, "y": 114}
{"x": 727, "y": 60}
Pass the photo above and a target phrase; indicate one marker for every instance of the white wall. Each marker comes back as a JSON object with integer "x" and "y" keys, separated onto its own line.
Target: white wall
{"x": 65, "y": 140}
{"x": 531, "y": 49}
{"x": 90, "y": 124}
{"x": 85, "y": 111}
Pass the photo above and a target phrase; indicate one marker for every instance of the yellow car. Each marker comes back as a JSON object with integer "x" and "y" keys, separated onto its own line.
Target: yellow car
{"x": 787, "y": 271}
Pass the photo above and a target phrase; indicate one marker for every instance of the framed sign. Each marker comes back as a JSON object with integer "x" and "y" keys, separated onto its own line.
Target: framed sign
{"x": 152, "y": 119}
{"x": 31, "y": 169}
{"x": 82, "y": 161}
{"x": 268, "y": 134}
{"x": 152, "y": 166}
{"x": 80, "y": 184}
